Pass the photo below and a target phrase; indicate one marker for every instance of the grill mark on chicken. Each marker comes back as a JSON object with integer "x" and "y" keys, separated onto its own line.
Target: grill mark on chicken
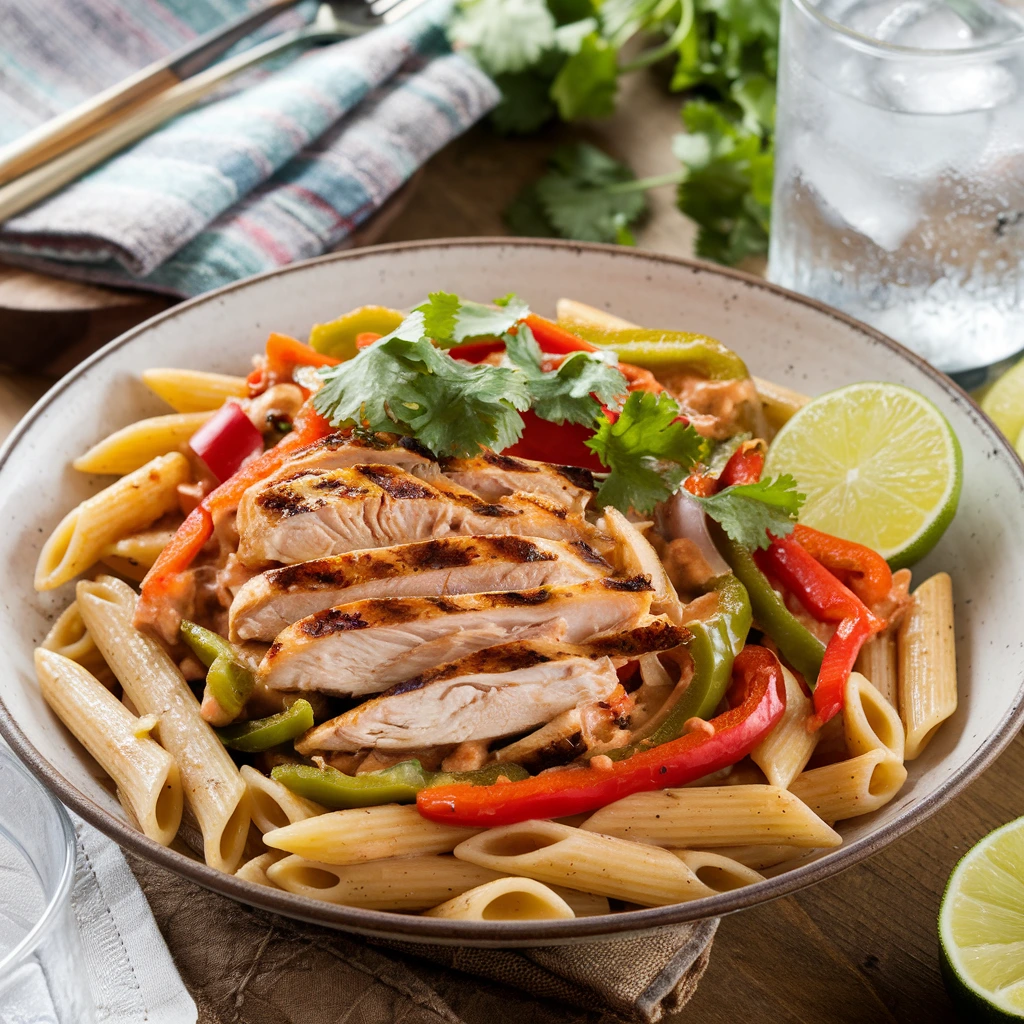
{"x": 577, "y": 476}
{"x": 632, "y": 584}
{"x": 396, "y": 484}
{"x": 332, "y": 620}
{"x": 588, "y": 554}
{"x": 494, "y": 476}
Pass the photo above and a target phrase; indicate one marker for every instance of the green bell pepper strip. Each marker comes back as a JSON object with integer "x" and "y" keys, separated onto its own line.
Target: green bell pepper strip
{"x": 797, "y": 644}
{"x": 716, "y": 642}
{"x": 228, "y": 681}
{"x": 259, "y": 734}
{"x": 398, "y": 784}
{"x": 665, "y": 350}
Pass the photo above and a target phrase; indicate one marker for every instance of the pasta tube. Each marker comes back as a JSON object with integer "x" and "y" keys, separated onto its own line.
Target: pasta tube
{"x": 366, "y": 833}
{"x": 927, "y": 663}
{"x": 718, "y": 872}
{"x": 877, "y": 661}
{"x": 562, "y": 855}
{"x": 133, "y": 446}
{"x": 761, "y": 857}
{"x": 849, "y": 788}
{"x": 133, "y": 502}
{"x": 870, "y": 722}
{"x": 714, "y": 816}
{"x": 142, "y": 548}
{"x": 505, "y": 899}
{"x": 213, "y": 788}
{"x": 409, "y": 883}
{"x": 255, "y": 869}
{"x": 273, "y": 806}
{"x": 194, "y": 390}
{"x": 783, "y": 754}
{"x": 144, "y": 772}
{"x": 69, "y": 637}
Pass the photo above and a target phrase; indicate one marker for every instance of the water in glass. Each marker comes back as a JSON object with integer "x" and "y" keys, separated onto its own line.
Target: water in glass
{"x": 899, "y": 188}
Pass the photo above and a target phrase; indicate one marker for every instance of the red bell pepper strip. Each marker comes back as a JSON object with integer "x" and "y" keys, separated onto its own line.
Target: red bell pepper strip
{"x": 827, "y": 600}
{"x": 557, "y": 340}
{"x": 745, "y": 466}
{"x": 226, "y": 440}
{"x": 563, "y": 443}
{"x": 476, "y": 351}
{"x": 165, "y": 580}
{"x": 864, "y": 571}
{"x": 366, "y": 338}
{"x": 759, "y": 695}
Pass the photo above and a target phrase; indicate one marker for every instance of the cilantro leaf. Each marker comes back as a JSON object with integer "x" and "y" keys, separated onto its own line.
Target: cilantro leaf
{"x": 504, "y": 35}
{"x": 587, "y": 83}
{"x": 449, "y": 320}
{"x": 525, "y": 103}
{"x": 749, "y": 512}
{"x": 567, "y": 393}
{"x": 648, "y": 450}
{"x": 577, "y": 198}
{"x": 727, "y": 187}
{"x": 404, "y": 383}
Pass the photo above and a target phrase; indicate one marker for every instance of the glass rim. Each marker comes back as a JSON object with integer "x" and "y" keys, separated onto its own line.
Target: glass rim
{"x": 62, "y": 890}
{"x": 868, "y": 44}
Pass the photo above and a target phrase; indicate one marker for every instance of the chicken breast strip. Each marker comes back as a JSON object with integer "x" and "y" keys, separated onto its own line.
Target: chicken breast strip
{"x": 339, "y": 451}
{"x": 496, "y": 692}
{"x": 367, "y": 646}
{"x": 494, "y": 476}
{"x": 456, "y": 565}
{"x": 317, "y": 514}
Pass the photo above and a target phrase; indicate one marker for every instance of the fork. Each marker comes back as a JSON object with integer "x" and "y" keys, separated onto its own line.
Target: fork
{"x": 96, "y": 136}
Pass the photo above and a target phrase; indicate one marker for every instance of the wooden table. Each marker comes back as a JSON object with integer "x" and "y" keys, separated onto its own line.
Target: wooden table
{"x": 858, "y": 949}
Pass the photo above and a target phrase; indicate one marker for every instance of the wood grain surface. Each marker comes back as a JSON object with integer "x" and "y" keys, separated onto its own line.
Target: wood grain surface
{"x": 858, "y": 949}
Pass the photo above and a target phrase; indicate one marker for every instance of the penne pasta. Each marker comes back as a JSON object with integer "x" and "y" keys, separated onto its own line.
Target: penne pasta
{"x": 366, "y": 833}
{"x": 140, "y": 549}
{"x": 505, "y": 899}
{"x": 849, "y": 788}
{"x": 69, "y": 637}
{"x": 255, "y": 869}
{"x": 870, "y": 722}
{"x": 926, "y": 656}
{"x": 193, "y": 390}
{"x": 272, "y": 805}
{"x": 877, "y": 661}
{"x": 133, "y": 502}
{"x": 717, "y": 871}
{"x": 761, "y": 857}
{"x": 562, "y": 855}
{"x": 783, "y": 754}
{"x": 213, "y": 787}
{"x": 714, "y": 816}
{"x": 410, "y": 883}
{"x": 584, "y": 904}
{"x": 133, "y": 446}
{"x": 146, "y": 775}
{"x": 779, "y": 402}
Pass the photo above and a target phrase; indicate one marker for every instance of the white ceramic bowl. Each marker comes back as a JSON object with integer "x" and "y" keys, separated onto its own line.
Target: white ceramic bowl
{"x": 782, "y": 337}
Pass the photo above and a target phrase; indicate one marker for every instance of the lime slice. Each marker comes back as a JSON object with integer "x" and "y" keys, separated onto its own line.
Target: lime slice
{"x": 981, "y": 928}
{"x": 1004, "y": 401}
{"x": 1020, "y": 444}
{"x": 879, "y": 465}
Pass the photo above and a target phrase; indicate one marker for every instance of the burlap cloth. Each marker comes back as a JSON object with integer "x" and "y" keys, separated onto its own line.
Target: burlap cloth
{"x": 245, "y": 966}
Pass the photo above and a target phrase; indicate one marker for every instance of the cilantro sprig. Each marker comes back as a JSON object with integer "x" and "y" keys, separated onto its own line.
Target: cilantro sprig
{"x": 749, "y": 512}
{"x": 648, "y": 450}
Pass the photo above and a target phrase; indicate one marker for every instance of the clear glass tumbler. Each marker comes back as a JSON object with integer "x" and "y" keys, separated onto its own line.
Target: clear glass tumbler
{"x": 42, "y": 967}
{"x": 899, "y": 175}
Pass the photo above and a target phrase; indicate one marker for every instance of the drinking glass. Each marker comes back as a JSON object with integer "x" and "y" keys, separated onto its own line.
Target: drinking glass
{"x": 42, "y": 969}
{"x": 899, "y": 176}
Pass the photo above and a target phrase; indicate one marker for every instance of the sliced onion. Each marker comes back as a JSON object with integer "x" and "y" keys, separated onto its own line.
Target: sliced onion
{"x": 682, "y": 518}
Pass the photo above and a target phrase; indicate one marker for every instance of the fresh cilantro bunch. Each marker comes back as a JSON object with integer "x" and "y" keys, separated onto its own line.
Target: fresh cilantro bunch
{"x": 749, "y": 512}
{"x": 563, "y": 58}
{"x": 407, "y": 383}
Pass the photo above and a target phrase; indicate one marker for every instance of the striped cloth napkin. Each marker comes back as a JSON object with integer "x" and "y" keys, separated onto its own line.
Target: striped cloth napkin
{"x": 281, "y": 166}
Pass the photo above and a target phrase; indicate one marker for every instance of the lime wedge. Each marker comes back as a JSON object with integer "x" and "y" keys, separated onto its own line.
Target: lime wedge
{"x": 981, "y": 928}
{"x": 1004, "y": 401}
{"x": 879, "y": 465}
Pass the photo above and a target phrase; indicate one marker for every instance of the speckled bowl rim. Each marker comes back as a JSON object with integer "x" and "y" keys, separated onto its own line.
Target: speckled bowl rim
{"x": 383, "y": 924}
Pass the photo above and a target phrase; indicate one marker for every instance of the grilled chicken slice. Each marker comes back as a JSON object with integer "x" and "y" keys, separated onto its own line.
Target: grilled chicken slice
{"x": 496, "y": 692}
{"x": 494, "y": 476}
{"x": 316, "y": 514}
{"x": 367, "y": 646}
{"x": 456, "y": 565}
{"x": 339, "y": 451}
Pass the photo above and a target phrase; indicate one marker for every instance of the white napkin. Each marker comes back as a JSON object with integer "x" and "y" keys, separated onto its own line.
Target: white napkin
{"x": 129, "y": 967}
